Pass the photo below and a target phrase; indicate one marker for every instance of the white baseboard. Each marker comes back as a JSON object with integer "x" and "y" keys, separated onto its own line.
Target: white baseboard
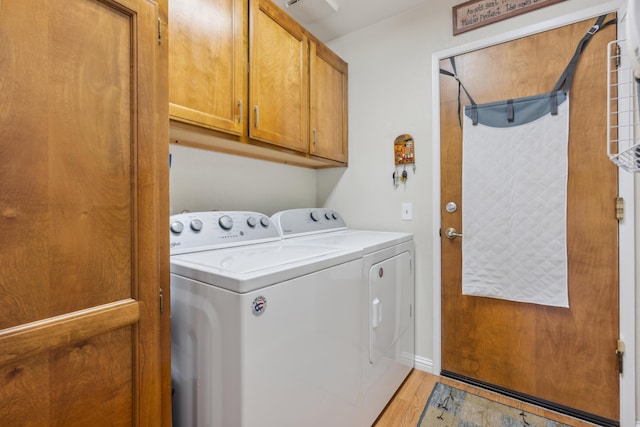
{"x": 426, "y": 365}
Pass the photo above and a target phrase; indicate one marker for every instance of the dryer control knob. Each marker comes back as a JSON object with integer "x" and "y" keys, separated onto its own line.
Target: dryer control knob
{"x": 327, "y": 215}
{"x": 264, "y": 221}
{"x": 252, "y": 222}
{"x": 314, "y": 216}
{"x": 177, "y": 227}
{"x": 225, "y": 222}
{"x": 196, "y": 225}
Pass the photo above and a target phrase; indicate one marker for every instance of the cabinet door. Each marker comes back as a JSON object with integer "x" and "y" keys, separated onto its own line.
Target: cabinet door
{"x": 279, "y": 76}
{"x": 208, "y": 63}
{"x": 84, "y": 156}
{"x": 328, "y": 113}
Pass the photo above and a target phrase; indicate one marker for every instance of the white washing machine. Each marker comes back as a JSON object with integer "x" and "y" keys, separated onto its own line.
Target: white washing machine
{"x": 387, "y": 296}
{"x": 265, "y": 332}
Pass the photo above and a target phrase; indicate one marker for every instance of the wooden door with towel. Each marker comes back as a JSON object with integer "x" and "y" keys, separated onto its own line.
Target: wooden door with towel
{"x": 564, "y": 357}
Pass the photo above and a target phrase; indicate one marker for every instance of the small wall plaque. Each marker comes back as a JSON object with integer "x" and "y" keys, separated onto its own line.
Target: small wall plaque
{"x": 478, "y": 13}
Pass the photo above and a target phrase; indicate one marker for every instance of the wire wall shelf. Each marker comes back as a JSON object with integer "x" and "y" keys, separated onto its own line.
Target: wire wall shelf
{"x": 623, "y": 118}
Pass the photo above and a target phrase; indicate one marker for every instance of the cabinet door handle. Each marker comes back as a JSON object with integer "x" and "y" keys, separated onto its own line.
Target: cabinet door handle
{"x": 314, "y": 136}
{"x": 255, "y": 108}
{"x": 240, "y": 108}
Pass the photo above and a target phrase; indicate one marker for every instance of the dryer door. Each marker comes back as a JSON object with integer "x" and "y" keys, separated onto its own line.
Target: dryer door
{"x": 390, "y": 306}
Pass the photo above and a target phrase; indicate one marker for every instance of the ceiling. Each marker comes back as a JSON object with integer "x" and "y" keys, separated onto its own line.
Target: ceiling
{"x": 330, "y": 19}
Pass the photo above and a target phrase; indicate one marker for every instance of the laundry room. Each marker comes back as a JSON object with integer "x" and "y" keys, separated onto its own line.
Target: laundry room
{"x": 391, "y": 82}
{"x": 326, "y": 248}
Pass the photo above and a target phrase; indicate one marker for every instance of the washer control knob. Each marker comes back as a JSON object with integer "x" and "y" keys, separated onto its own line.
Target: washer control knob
{"x": 177, "y": 227}
{"x": 264, "y": 221}
{"x": 327, "y": 215}
{"x": 225, "y": 222}
{"x": 314, "y": 216}
{"x": 196, "y": 225}
{"x": 252, "y": 222}
{"x": 334, "y": 215}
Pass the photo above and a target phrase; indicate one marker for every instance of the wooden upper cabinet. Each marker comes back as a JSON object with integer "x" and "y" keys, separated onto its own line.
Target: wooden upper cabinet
{"x": 247, "y": 69}
{"x": 208, "y": 63}
{"x": 328, "y": 104}
{"x": 278, "y": 79}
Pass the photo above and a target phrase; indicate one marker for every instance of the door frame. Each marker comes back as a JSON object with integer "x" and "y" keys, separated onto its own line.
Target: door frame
{"x": 626, "y": 189}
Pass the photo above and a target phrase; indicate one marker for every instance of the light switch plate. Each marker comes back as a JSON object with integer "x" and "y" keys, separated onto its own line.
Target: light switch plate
{"x": 407, "y": 211}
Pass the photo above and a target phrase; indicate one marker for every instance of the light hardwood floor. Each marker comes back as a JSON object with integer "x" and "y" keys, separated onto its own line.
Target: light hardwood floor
{"x": 405, "y": 408}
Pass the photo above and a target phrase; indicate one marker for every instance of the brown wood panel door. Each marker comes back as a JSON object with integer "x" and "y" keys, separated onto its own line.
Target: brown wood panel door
{"x": 208, "y": 63}
{"x": 564, "y": 356}
{"x": 328, "y": 101}
{"x": 279, "y": 77}
{"x": 84, "y": 158}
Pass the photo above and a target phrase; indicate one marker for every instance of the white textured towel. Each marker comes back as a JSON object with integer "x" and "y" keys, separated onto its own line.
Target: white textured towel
{"x": 514, "y": 185}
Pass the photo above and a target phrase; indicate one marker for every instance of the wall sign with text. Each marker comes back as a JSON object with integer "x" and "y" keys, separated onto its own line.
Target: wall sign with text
{"x": 478, "y": 13}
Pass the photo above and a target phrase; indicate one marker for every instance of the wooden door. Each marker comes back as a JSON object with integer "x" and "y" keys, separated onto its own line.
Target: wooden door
{"x": 84, "y": 159}
{"x": 563, "y": 356}
{"x": 279, "y": 77}
{"x": 328, "y": 102}
{"x": 208, "y": 63}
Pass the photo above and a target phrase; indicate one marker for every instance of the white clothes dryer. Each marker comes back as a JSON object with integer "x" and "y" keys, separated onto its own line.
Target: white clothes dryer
{"x": 387, "y": 294}
{"x": 265, "y": 332}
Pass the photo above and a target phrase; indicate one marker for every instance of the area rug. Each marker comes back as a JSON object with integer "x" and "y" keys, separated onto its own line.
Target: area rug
{"x": 452, "y": 407}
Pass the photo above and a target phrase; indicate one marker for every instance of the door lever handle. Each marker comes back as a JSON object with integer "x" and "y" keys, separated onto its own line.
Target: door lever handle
{"x": 452, "y": 233}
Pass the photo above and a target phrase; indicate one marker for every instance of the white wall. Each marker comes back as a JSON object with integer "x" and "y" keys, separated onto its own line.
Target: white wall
{"x": 202, "y": 180}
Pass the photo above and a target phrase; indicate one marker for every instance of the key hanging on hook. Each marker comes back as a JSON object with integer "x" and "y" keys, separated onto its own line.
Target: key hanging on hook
{"x": 403, "y": 148}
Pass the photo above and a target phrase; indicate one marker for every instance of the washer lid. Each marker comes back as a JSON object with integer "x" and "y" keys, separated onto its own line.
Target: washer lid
{"x": 367, "y": 241}
{"x": 246, "y": 268}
